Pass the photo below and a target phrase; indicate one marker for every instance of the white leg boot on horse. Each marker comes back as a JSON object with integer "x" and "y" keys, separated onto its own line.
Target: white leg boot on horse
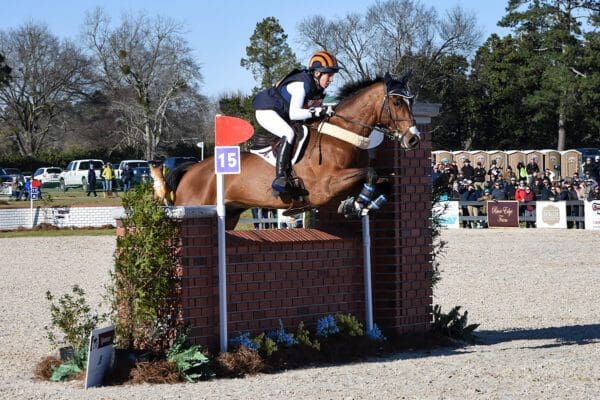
{"x": 282, "y": 167}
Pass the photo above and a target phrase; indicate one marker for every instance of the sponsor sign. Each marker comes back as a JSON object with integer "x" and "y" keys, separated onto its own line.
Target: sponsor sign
{"x": 592, "y": 214}
{"x": 550, "y": 214}
{"x": 100, "y": 355}
{"x": 448, "y": 213}
{"x": 503, "y": 214}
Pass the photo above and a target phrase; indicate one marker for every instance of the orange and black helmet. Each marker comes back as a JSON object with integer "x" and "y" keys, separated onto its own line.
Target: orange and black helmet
{"x": 323, "y": 61}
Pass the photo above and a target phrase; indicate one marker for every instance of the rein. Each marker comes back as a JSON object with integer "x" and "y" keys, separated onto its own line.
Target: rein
{"x": 390, "y": 133}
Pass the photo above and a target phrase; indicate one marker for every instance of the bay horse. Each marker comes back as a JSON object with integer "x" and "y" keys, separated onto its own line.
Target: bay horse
{"x": 339, "y": 167}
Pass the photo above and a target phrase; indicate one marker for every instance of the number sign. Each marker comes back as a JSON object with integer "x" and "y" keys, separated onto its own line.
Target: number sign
{"x": 227, "y": 159}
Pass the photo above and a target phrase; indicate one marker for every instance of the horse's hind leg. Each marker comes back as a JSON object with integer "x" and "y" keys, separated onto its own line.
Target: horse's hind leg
{"x": 232, "y": 217}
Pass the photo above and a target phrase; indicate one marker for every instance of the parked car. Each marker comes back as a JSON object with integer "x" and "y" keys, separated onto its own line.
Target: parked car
{"x": 173, "y": 162}
{"x": 12, "y": 172}
{"x": 5, "y": 185}
{"x": 75, "y": 175}
{"x": 132, "y": 164}
{"x": 49, "y": 176}
{"x": 140, "y": 175}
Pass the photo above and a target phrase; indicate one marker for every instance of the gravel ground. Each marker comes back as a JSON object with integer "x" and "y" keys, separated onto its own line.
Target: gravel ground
{"x": 534, "y": 292}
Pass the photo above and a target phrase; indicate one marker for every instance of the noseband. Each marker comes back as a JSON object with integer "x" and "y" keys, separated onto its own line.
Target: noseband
{"x": 395, "y": 133}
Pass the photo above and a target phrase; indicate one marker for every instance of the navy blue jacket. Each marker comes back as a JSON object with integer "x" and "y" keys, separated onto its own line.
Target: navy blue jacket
{"x": 277, "y": 98}
{"x": 91, "y": 177}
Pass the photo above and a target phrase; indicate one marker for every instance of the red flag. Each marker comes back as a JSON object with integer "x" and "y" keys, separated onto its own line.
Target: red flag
{"x": 230, "y": 131}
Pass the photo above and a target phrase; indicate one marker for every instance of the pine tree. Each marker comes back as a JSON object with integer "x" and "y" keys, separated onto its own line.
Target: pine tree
{"x": 550, "y": 36}
{"x": 269, "y": 56}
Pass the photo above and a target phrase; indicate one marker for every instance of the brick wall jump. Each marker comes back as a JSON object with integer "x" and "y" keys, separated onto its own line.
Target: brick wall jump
{"x": 301, "y": 275}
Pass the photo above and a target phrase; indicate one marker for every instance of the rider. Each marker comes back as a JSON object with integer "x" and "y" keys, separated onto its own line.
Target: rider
{"x": 294, "y": 98}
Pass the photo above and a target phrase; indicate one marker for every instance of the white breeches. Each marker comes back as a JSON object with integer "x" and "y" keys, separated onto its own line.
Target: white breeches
{"x": 272, "y": 122}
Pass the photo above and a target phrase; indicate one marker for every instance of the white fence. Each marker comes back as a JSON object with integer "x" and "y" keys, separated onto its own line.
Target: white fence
{"x": 86, "y": 217}
{"x": 62, "y": 217}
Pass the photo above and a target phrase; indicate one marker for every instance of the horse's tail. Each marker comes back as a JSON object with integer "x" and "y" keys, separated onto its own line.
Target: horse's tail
{"x": 174, "y": 177}
{"x": 159, "y": 186}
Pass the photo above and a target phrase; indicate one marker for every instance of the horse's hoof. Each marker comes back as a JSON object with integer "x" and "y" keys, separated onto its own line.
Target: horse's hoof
{"x": 348, "y": 209}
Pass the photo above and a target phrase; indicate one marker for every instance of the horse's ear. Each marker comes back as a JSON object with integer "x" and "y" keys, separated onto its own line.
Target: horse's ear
{"x": 387, "y": 79}
{"x": 398, "y": 87}
{"x": 406, "y": 76}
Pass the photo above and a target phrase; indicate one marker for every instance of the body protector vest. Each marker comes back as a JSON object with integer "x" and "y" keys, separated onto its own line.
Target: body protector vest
{"x": 277, "y": 98}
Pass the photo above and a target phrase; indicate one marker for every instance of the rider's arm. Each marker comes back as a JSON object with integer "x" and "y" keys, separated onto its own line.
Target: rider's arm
{"x": 297, "y": 112}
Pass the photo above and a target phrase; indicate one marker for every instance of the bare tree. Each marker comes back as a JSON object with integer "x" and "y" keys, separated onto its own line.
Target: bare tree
{"x": 350, "y": 38}
{"x": 392, "y": 36}
{"x": 47, "y": 76}
{"x": 147, "y": 65}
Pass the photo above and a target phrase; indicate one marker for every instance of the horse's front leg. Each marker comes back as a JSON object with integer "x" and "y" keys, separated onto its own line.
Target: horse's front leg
{"x": 339, "y": 182}
{"x": 343, "y": 182}
{"x": 367, "y": 200}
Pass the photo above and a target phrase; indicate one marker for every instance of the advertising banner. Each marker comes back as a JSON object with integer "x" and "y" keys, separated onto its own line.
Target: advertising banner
{"x": 503, "y": 214}
{"x": 592, "y": 214}
{"x": 550, "y": 214}
{"x": 448, "y": 213}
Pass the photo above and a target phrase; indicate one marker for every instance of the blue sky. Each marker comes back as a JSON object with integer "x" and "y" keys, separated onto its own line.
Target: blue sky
{"x": 219, "y": 31}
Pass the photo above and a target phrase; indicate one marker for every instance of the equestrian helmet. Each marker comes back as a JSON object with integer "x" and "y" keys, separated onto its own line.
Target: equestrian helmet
{"x": 323, "y": 61}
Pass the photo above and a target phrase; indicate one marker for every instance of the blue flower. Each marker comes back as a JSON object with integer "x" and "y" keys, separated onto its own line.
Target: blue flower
{"x": 326, "y": 326}
{"x": 243, "y": 339}
{"x": 281, "y": 337}
{"x": 375, "y": 334}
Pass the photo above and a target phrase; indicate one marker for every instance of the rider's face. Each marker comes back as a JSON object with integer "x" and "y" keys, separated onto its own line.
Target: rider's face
{"x": 325, "y": 79}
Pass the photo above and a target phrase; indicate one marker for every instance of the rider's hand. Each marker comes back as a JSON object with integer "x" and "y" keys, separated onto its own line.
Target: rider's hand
{"x": 320, "y": 112}
{"x": 329, "y": 111}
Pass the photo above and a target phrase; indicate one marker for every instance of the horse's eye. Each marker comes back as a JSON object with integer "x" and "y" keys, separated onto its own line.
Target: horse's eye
{"x": 397, "y": 102}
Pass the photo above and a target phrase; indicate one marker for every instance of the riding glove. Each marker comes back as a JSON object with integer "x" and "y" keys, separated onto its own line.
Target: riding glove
{"x": 318, "y": 112}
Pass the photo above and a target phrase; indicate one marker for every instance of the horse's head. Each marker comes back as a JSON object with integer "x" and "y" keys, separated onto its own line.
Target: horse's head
{"x": 396, "y": 118}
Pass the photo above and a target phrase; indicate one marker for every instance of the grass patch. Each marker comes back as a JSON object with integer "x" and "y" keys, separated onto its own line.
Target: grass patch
{"x": 58, "y": 232}
{"x": 53, "y": 197}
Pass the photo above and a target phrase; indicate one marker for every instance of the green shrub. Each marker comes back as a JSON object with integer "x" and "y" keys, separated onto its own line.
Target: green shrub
{"x": 453, "y": 324}
{"x": 64, "y": 371}
{"x": 71, "y": 367}
{"x": 265, "y": 344}
{"x": 73, "y": 317}
{"x": 145, "y": 279}
{"x": 190, "y": 362}
{"x": 349, "y": 325}
{"x": 302, "y": 336}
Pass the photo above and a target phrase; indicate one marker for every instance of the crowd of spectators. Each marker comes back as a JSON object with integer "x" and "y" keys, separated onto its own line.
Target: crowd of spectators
{"x": 526, "y": 183}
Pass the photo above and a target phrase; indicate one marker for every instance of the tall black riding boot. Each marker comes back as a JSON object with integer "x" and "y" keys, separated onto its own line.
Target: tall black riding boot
{"x": 282, "y": 167}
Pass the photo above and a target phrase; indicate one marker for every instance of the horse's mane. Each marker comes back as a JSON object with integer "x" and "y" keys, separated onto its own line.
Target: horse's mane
{"x": 352, "y": 87}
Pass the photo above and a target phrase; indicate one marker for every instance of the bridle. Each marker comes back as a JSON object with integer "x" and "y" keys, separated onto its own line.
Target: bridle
{"x": 394, "y": 132}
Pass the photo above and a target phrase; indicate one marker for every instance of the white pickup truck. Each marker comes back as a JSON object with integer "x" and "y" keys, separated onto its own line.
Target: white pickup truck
{"x": 75, "y": 175}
